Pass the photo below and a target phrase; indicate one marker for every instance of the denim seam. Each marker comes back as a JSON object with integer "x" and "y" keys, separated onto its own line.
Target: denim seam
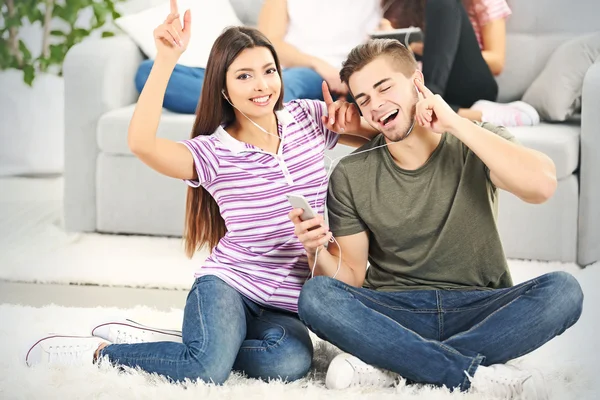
{"x": 424, "y": 311}
{"x": 477, "y": 360}
{"x": 202, "y": 322}
{"x": 458, "y": 335}
{"x": 435, "y": 342}
{"x": 480, "y": 305}
{"x": 440, "y": 315}
{"x": 276, "y": 344}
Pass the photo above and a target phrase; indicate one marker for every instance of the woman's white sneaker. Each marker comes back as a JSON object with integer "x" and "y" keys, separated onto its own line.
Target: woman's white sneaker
{"x": 128, "y": 332}
{"x": 63, "y": 350}
{"x": 347, "y": 371}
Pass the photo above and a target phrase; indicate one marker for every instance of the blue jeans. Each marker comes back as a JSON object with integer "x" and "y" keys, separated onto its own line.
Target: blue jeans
{"x": 185, "y": 85}
{"x": 435, "y": 336}
{"x": 224, "y": 331}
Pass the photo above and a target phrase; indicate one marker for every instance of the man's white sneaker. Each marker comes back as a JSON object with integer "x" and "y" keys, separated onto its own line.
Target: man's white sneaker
{"x": 63, "y": 350}
{"x": 128, "y": 331}
{"x": 506, "y": 382}
{"x": 347, "y": 371}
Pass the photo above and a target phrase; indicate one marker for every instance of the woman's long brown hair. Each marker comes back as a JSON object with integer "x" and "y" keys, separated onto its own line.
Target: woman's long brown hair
{"x": 204, "y": 224}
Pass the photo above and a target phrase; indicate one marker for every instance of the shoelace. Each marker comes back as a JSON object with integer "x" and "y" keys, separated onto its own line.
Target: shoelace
{"x": 369, "y": 375}
{"x": 123, "y": 337}
{"x": 509, "y": 388}
{"x": 513, "y": 387}
{"x": 62, "y": 354}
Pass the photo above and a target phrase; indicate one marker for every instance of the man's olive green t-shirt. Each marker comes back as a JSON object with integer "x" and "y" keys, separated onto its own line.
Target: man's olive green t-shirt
{"x": 429, "y": 228}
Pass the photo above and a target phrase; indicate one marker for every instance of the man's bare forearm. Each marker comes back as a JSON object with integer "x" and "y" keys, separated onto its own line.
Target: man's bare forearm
{"x": 327, "y": 265}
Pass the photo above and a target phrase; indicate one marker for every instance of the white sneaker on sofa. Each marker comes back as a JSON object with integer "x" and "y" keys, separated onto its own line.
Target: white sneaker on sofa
{"x": 517, "y": 113}
{"x": 127, "y": 331}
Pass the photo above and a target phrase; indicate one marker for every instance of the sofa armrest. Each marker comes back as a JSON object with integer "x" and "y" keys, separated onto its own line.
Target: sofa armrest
{"x": 589, "y": 176}
{"x": 99, "y": 77}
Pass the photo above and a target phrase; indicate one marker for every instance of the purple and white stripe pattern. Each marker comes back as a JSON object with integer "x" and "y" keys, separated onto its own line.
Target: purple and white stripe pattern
{"x": 260, "y": 256}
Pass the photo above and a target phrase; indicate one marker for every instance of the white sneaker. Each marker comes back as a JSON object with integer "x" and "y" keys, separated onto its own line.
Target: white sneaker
{"x": 507, "y": 382}
{"x": 517, "y": 113}
{"x": 128, "y": 331}
{"x": 63, "y": 350}
{"x": 347, "y": 371}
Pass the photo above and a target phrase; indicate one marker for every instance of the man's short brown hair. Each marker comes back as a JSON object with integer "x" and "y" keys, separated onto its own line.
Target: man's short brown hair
{"x": 361, "y": 55}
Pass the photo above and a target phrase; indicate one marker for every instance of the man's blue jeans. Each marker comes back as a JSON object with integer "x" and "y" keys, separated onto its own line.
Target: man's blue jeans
{"x": 185, "y": 85}
{"x": 435, "y": 336}
{"x": 224, "y": 331}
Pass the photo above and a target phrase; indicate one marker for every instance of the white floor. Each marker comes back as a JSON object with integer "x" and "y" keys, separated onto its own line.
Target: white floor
{"x": 54, "y": 281}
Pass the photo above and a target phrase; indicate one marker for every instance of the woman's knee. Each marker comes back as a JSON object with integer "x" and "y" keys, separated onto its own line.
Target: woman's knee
{"x": 290, "y": 360}
{"x": 213, "y": 372}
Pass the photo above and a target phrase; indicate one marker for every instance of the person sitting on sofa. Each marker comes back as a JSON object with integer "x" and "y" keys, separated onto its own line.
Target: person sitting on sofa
{"x": 307, "y": 57}
{"x": 309, "y": 54}
{"x": 463, "y": 52}
{"x": 247, "y": 151}
{"x": 437, "y": 304}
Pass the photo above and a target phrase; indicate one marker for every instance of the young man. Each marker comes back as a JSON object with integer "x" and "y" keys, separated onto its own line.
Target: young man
{"x": 437, "y": 304}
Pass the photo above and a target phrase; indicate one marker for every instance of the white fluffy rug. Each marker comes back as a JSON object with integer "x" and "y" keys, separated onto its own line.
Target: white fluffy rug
{"x": 567, "y": 362}
{"x": 34, "y": 248}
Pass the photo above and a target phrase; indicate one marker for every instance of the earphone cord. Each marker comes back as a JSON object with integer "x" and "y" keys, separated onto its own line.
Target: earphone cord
{"x": 327, "y": 176}
{"x": 248, "y": 118}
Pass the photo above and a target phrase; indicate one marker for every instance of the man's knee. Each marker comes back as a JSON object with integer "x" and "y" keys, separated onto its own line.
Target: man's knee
{"x": 566, "y": 284}
{"x": 314, "y": 297}
{"x": 570, "y": 303}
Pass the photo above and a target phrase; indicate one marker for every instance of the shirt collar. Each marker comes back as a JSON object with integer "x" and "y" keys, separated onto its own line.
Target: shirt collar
{"x": 284, "y": 118}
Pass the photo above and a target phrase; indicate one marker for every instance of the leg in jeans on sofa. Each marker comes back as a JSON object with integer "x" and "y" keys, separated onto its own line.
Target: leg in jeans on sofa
{"x": 454, "y": 68}
{"x": 450, "y": 338}
{"x": 301, "y": 83}
{"x": 222, "y": 331}
{"x": 183, "y": 90}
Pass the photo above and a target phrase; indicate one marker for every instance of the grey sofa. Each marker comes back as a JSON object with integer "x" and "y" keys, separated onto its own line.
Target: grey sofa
{"x": 108, "y": 190}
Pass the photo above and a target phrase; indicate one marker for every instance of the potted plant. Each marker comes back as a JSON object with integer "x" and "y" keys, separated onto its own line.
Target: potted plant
{"x": 35, "y": 36}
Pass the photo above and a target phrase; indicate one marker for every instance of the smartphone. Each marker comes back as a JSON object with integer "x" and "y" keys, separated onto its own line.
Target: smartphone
{"x": 298, "y": 201}
{"x": 404, "y": 35}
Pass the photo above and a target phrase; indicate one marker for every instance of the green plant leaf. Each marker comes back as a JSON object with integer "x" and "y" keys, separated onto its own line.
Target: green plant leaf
{"x": 108, "y": 34}
{"x": 28, "y": 74}
{"x": 57, "y": 54}
{"x": 57, "y": 33}
{"x": 24, "y": 51}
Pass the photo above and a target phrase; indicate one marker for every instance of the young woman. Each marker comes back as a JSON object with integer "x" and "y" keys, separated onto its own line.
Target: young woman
{"x": 463, "y": 51}
{"x": 247, "y": 152}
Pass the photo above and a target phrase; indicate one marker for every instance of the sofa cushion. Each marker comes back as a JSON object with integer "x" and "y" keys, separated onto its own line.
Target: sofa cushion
{"x": 208, "y": 22}
{"x": 559, "y": 141}
{"x": 534, "y": 30}
{"x": 565, "y": 70}
{"x": 113, "y": 126}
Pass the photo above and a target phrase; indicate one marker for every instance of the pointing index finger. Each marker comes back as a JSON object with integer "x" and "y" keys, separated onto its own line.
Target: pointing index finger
{"x": 326, "y": 94}
{"x": 174, "y": 7}
{"x": 423, "y": 89}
